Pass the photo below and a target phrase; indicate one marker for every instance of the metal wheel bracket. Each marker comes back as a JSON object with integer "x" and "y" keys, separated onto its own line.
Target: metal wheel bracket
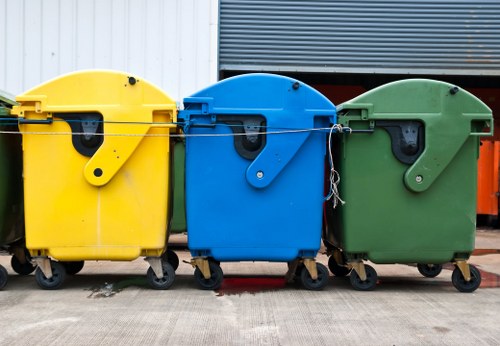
{"x": 292, "y": 268}
{"x": 359, "y": 268}
{"x": 156, "y": 265}
{"x": 464, "y": 269}
{"x": 202, "y": 264}
{"x": 310, "y": 265}
{"x": 337, "y": 255}
{"x": 20, "y": 254}
{"x": 44, "y": 264}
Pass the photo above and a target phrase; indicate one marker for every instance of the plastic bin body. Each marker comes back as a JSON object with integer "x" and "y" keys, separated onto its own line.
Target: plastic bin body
{"x": 263, "y": 204}
{"x": 422, "y": 210}
{"x": 108, "y": 197}
{"x": 487, "y": 184}
{"x": 178, "y": 222}
{"x": 11, "y": 184}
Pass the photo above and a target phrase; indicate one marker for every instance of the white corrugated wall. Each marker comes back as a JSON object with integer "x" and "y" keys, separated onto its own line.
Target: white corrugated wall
{"x": 172, "y": 43}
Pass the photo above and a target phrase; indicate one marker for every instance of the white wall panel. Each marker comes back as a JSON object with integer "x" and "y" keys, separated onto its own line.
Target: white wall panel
{"x": 172, "y": 43}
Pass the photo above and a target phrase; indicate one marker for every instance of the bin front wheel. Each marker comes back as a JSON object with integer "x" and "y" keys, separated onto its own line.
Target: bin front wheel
{"x": 319, "y": 283}
{"x": 73, "y": 267}
{"x": 461, "y": 284}
{"x": 337, "y": 269}
{"x": 171, "y": 257}
{"x": 57, "y": 279}
{"x": 216, "y": 277}
{"x": 367, "y": 285}
{"x": 429, "y": 270}
{"x": 21, "y": 268}
{"x": 4, "y": 277}
{"x": 166, "y": 281}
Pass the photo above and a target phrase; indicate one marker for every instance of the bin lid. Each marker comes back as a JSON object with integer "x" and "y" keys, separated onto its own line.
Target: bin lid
{"x": 6, "y": 103}
{"x": 449, "y": 115}
{"x": 126, "y": 102}
{"x": 287, "y": 105}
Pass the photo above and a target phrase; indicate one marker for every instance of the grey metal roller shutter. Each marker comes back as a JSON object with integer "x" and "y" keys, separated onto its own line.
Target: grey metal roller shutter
{"x": 416, "y": 37}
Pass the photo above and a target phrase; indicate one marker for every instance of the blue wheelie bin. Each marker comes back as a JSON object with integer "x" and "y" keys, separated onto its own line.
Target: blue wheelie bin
{"x": 255, "y": 149}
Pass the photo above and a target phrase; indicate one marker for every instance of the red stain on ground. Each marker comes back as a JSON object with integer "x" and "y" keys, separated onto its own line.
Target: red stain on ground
{"x": 481, "y": 252}
{"x": 489, "y": 280}
{"x": 252, "y": 285}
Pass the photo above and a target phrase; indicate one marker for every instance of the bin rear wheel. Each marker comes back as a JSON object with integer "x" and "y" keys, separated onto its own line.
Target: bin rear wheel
{"x": 4, "y": 277}
{"x": 57, "y": 279}
{"x": 171, "y": 257}
{"x": 166, "y": 281}
{"x": 319, "y": 283}
{"x": 466, "y": 286}
{"x": 337, "y": 269}
{"x": 21, "y": 268}
{"x": 367, "y": 285}
{"x": 73, "y": 267}
{"x": 216, "y": 277}
{"x": 429, "y": 270}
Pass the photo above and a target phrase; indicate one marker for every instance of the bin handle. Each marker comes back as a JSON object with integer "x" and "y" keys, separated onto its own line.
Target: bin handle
{"x": 35, "y": 121}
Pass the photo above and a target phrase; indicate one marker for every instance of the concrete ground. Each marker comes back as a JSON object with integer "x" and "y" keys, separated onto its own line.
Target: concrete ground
{"x": 111, "y": 304}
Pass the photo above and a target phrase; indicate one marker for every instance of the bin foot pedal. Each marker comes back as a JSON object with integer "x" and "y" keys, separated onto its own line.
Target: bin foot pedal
{"x": 44, "y": 264}
{"x": 156, "y": 265}
{"x": 202, "y": 264}
{"x": 359, "y": 268}
{"x": 464, "y": 269}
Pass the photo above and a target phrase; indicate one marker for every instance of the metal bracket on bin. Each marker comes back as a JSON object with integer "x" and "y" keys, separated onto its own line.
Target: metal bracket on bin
{"x": 156, "y": 265}
{"x": 359, "y": 268}
{"x": 202, "y": 264}
{"x": 44, "y": 264}
{"x": 463, "y": 266}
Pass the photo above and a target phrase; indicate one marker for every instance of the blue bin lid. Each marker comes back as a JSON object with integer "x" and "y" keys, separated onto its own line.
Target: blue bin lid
{"x": 287, "y": 104}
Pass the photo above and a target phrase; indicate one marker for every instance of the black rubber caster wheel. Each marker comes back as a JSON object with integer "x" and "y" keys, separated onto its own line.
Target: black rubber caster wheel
{"x": 319, "y": 283}
{"x": 21, "y": 268}
{"x": 166, "y": 281}
{"x": 429, "y": 270}
{"x": 171, "y": 257}
{"x": 4, "y": 277}
{"x": 57, "y": 279}
{"x": 216, "y": 277}
{"x": 73, "y": 267}
{"x": 367, "y": 285}
{"x": 466, "y": 286}
{"x": 337, "y": 269}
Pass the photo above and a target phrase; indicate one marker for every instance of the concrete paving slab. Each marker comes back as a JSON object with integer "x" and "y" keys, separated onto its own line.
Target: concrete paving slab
{"x": 109, "y": 303}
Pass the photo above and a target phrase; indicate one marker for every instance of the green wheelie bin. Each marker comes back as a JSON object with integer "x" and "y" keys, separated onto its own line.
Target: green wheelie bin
{"x": 11, "y": 192}
{"x": 407, "y": 159}
{"x": 178, "y": 203}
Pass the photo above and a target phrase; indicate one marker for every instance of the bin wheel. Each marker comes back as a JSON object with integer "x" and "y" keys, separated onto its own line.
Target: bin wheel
{"x": 367, "y": 285}
{"x": 216, "y": 277}
{"x": 463, "y": 286}
{"x": 21, "y": 268}
{"x": 337, "y": 269}
{"x": 57, "y": 279}
{"x": 73, "y": 267}
{"x": 166, "y": 281}
{"x": 4, "y": 277}
{"x": 319, "y": 283}
{"x": 429, "y": 270}
{"x": 171, "y": 257}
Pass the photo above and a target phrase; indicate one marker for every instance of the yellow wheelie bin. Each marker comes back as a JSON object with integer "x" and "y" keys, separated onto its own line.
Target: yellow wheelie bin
{"x": 96, "y": 173}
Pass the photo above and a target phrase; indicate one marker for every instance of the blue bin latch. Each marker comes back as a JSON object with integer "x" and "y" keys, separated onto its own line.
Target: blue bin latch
{"x": 250, "y": 138}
